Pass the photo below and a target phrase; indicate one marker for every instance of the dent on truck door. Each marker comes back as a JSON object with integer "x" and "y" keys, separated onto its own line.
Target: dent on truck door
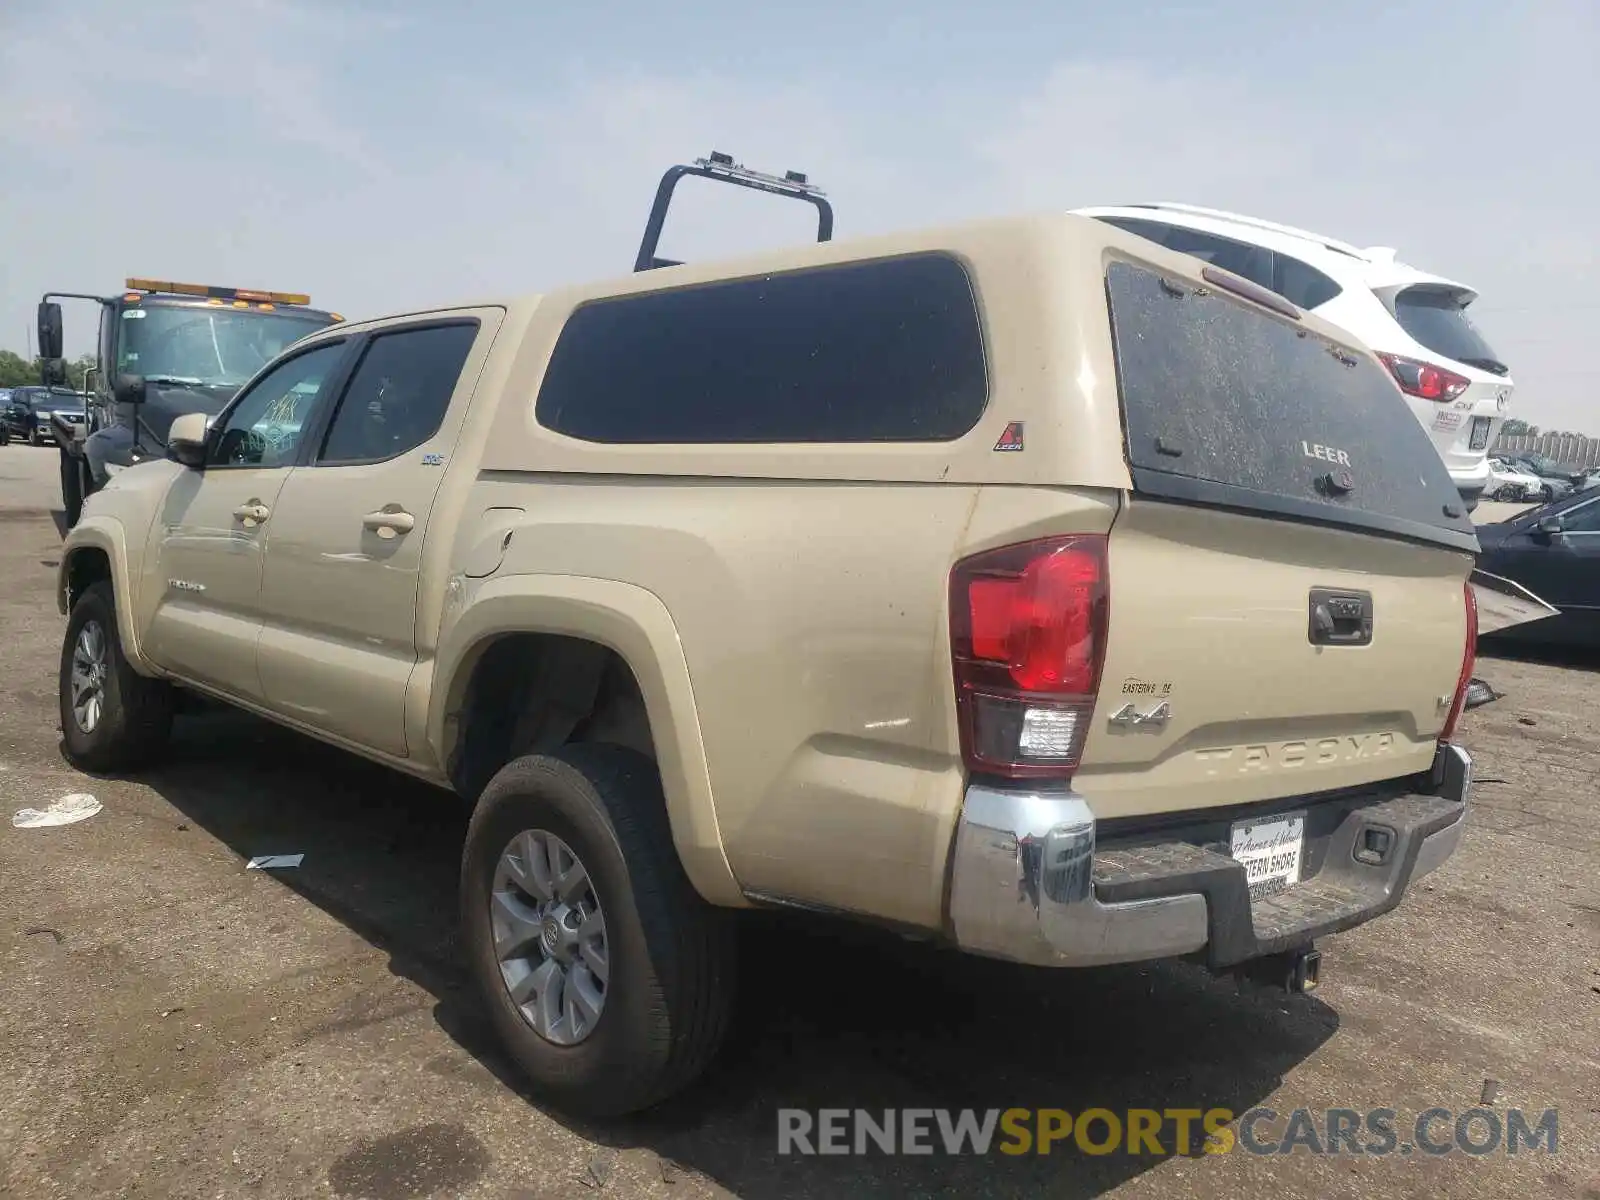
{"x": 214, "y": 526}
{"x": 344, "y": 565}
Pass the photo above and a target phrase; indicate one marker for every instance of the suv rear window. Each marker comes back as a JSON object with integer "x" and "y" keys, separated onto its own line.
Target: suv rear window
{"x": 886, "y": 350}
{"x": 1436, "y": 319}
{"x": 1225, "y": 404}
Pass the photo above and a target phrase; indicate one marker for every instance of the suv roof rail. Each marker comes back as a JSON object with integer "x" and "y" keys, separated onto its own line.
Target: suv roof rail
{"x": 1329, "y": 243}
{"x": 721, "y": 168}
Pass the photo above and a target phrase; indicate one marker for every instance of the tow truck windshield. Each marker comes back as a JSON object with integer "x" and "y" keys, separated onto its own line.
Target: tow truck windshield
{"x": 205, "y": 345}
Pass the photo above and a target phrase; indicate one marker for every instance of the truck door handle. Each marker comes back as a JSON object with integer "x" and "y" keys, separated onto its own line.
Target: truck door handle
{"x": 253, "y": 513}
{"x": 386, "y": 523}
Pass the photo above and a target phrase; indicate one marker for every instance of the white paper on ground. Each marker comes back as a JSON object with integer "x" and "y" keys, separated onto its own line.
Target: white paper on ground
{"x": 76, "y": 806}
{"x": 267, "y": 862}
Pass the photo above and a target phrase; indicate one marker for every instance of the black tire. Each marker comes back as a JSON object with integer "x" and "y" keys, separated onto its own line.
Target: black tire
{"x": 669, "y": 988}
{"x": 135, "y": 721}
{"x": 71, "y": 489}
{"x": 33, "y": 438}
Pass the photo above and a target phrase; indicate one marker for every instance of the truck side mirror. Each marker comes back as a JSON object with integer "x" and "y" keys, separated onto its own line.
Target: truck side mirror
{"x": 49, "y": 330}
{"x": 186, "y": 439}
{"x": 130, "y": 389}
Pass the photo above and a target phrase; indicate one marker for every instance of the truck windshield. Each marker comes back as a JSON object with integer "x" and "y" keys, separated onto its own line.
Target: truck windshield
{"x": 204, "y": 344}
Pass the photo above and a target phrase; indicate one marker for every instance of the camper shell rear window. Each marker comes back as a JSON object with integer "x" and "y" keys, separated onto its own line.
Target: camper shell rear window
{"x": 1226, "y": 404}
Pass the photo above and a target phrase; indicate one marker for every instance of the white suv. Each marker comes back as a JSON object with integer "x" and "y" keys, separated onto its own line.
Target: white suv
{"x": 1415, "y": 322}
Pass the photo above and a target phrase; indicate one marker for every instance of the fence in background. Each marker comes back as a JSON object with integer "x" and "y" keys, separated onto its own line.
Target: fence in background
{"x": 1564, "y": 448}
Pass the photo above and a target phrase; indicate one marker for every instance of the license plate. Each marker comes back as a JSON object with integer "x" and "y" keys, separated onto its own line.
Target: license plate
{"x": 1270, "y": 850}
{"x": 1480, "y": 433}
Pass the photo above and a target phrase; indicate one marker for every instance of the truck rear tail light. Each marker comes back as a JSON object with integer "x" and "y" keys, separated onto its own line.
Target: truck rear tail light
{"x": 1028, "y": 638}
{"x": 1469, "y": 660}
{"x": 1424, "y": 380}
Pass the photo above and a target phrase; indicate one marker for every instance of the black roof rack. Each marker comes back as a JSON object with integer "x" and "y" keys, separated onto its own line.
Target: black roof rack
{"x": 723, "y": 169}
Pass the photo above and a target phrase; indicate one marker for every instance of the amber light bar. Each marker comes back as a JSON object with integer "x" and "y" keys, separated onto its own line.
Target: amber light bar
{"x": 216, "y": 293}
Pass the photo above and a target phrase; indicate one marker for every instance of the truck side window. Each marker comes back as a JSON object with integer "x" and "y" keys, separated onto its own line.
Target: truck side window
{"x": 886, "y": 350}
{"x": 266, "y": 426}
{"x": 399, "y": 393}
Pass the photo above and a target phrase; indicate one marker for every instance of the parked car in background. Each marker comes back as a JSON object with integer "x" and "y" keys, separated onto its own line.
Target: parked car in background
{"x": 18, "y": 413}
{"x": 1415, "y": 322}
{"x": 1509, "y": 482}
{"x": 5, "y": 409}
{"x": 1554, "y": 552}
{"x": 28, "y": 413}
{"x": 1555, "y": 479}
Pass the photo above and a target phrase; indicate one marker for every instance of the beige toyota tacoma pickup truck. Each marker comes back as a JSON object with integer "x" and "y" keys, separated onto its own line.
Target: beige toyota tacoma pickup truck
{"x": 1020, "y": 584}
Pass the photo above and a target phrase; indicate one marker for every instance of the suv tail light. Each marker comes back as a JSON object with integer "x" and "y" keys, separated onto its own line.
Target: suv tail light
{"x": 1028, "y": 638}
{"x": 1469, "y": 659}
{"x": 1424, "y": 380}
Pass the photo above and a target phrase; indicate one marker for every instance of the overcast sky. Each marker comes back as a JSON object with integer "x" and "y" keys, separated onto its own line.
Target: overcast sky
{"x": 398, "y": 154}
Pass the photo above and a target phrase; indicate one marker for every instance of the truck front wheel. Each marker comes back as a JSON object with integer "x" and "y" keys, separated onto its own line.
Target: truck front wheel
{"x": 112, "y": 718}
{"x": 607, "y": 977}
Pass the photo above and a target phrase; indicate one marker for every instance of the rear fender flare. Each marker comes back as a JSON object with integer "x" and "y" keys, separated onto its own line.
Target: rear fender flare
{"x": 636, "y": 625}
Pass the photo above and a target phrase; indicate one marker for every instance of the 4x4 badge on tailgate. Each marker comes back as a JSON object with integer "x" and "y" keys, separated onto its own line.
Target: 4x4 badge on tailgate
{"x": 1128, "y": 716}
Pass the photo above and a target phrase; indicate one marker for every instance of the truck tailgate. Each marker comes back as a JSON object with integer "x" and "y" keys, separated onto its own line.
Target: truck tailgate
{"x": 1211, "y": 617}
{"x": 1288, "y": 606}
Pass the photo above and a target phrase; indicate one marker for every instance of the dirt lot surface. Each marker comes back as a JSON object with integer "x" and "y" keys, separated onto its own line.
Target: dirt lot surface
{"x": 176, "y": 1025}
{"x": 30, "y": 478}
{"x": 1493, "y": 510}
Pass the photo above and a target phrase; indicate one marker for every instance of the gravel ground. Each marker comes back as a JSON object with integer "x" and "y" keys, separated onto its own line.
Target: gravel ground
{"x": 179, "y": 1026}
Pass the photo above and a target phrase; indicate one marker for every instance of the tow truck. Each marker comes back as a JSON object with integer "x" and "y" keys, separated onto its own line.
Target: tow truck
{"x": 164, "y": 349}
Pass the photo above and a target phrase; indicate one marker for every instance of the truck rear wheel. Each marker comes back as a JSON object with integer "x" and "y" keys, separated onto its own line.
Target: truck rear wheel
{"x": 112, "y": 718}
{"x": 606, "y": 976}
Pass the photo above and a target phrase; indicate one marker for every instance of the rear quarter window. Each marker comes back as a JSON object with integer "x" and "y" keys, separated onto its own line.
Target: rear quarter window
{"x": 1225, "y": 404}
{"x": 1300, "y": 283}
{"x": 889, "y": 350}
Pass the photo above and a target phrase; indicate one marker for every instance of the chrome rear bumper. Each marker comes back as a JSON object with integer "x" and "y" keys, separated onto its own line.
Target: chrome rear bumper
{"x": 1028, "y": 885}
